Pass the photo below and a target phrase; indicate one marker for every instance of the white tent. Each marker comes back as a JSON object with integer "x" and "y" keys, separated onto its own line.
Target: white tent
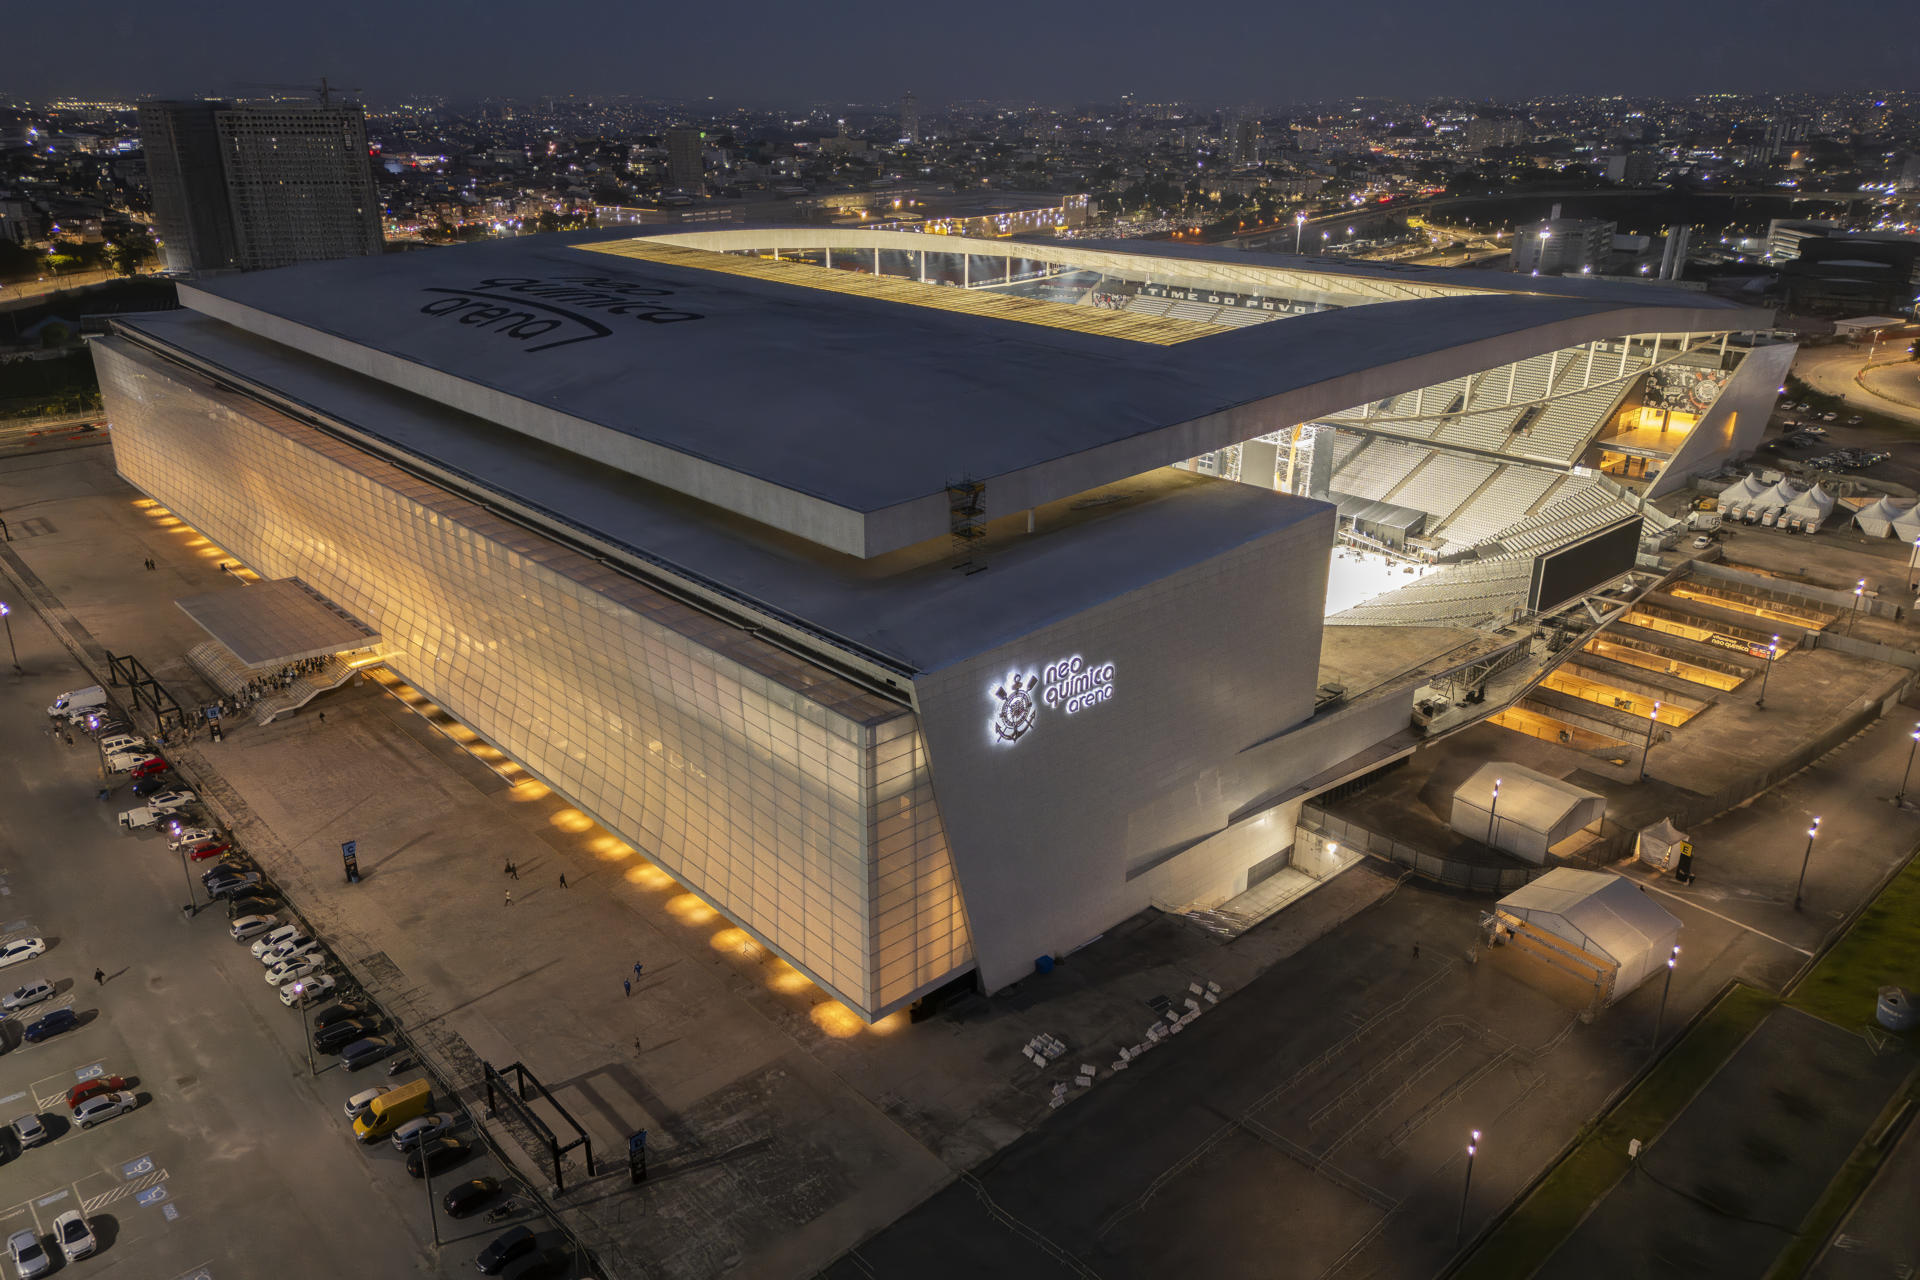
{"x": 1625, "y": 933}
{"x": 1906, "y": 525}
{"x": 1768, "y": 506}
{"x": 1659, "y": 844}
{"x": 1533, "y": 813}
{"x": 1806, "y": 512}
{"x": 1877, "y": 520}
{"x": 1734, "y": 500}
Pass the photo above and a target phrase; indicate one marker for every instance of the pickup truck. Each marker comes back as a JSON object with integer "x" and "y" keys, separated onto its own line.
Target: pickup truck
{"x": 135, "y": 819}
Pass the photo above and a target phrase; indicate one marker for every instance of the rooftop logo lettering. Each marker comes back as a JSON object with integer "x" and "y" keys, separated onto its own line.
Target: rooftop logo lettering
{"x": 1071, "y": 685}
{"x": 530, "y": 310}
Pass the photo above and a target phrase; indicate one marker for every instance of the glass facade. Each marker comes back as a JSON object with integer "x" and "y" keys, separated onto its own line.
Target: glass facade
{"x": 797, "y": 803}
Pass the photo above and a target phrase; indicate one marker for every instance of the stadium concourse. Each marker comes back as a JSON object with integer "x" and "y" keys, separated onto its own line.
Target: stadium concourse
{"x": 914, "y": 600}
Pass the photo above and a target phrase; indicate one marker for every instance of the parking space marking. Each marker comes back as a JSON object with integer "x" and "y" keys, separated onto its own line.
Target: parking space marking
{"x": 48, "y": 1090}
{"x": 117, "y": 1190}
{"x": 170, "y": 1211}
{"x": 202, "y": 1272}
{"x": 134, "y": 1168}
{"x": 151, "y": 1196}
{"x": 12, "y": 1097}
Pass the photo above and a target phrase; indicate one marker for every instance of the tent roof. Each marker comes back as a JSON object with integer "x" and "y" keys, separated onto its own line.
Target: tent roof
{"x": 1616, "y": 916}
{"x": 1815, "y": 499}
{"x": 1750, "y": 486}
{"x": 1664, "y": 830}
{"x": 1528, "y": 799}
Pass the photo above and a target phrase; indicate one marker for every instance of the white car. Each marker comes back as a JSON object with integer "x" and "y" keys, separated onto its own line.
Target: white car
{"x": 252, "y": 927}
{"x": 1702, "y": 542}
{"x": 311, "y": 988}
{"x": 263, "y": 945}
{"x": 291, "y": 949}
{"x": 171, "y": 801}
{"x": 357, "y": 1105}
{"x": 294, "y": 970}
{"x": 124, "y": 761}
{"x": 22, "y": 949}
{"x": 75, "y": 1236}
{"x": 29, "y": 1259}
{"x": 31, "y": 993}
{"x": 103, "y": 1106}
{"x": 187, "y": 836}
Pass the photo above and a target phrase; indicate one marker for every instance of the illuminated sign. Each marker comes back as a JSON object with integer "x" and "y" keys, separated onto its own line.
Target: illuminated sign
{"x": 1071, "y": 686}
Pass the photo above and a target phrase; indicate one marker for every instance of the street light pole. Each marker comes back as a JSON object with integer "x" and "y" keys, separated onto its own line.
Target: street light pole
{"x": 1858, "y": 592}
{"x": 1773, "y": 653}
{"x": 1653, "y": 718}
{"x": 1300, "y": 225}
{"x": 7, "y": 614}
{"x": 1812, "y": 831}
{"x": 426, "y": 1183}
{"x": 300, "y": 1007}
{"x": 1907, "y": 777}
{"x": 1493, "y": 814}
{"x": 193, "y": 904}
{"x": 1665, "y": 987}
{"x": 1460, "y": 1229}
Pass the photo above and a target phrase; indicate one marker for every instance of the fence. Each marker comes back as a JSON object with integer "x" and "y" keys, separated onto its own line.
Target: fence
{"x": 1462, "y": 875}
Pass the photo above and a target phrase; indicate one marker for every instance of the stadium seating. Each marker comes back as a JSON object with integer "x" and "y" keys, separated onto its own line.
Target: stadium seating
{"x": 1445, "y": 483}
{"x": 1376, "y": 470}
{"x": 1506, "y": 500}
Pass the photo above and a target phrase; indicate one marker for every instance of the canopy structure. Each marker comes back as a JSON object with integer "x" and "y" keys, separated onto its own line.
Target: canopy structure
{"x": 1735, "y": 498}
{"x": 280, "y": 621}
{"x": 1531, "y": 814}
{"x": 1775, "y": 500}
{"x": 1621, "y": 933}
{"x": 1659, "y": 844}
{"x": 1877, "y": 519}
{"x": 1806, "y": 512}
{"x": 1906, "y": 525}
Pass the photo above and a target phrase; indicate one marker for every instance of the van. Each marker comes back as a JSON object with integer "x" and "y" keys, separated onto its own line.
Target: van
{"x": 392, "y": 1109}
{"x": 122, "y": 742}
{"x": 90, "y": 698}
{"x": 135, "y": 819}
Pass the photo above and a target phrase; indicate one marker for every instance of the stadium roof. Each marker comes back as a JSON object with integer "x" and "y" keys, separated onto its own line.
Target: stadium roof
{"x": 838, "y": 407}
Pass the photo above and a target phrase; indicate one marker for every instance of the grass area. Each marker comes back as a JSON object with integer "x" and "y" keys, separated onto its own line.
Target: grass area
{"x": 1881, "y": 949}
{"x": 1847, "y": 1187}
{"x": 1544, "y": 1220}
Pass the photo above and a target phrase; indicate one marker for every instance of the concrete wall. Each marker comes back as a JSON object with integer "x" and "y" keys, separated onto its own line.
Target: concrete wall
{"x": 1078, "y": 822}
{"x": 1733, "y": 426}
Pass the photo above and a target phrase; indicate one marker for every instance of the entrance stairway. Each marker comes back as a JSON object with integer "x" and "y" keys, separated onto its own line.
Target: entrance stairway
{"x": 304, "y": 689}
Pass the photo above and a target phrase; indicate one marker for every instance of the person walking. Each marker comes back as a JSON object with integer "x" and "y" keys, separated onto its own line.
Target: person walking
{"x": 563, "y": 879}
{"x": 99, "y": 977}
{"x": 636, "y": 968}
{"x": 509, "y": 897}
{"x": 628, "y": 984}
{"x": 513, "y": 869}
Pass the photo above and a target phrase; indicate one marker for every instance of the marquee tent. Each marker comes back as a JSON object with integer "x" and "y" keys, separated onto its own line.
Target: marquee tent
{"x": 1598, "y": 921}
{"x": 1533, "y": 813}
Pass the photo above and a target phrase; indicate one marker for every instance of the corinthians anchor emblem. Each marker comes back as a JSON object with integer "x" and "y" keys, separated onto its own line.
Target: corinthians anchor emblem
{"x": 1017, "y": 706}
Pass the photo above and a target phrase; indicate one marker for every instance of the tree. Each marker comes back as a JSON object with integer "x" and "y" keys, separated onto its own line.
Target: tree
{"x": 131, "y": 252}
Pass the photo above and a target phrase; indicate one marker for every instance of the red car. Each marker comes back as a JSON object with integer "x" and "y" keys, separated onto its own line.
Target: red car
{"x": 199, "y": 852}
{"x": 99, "y": 1084}
{"x": 146, "y": 768}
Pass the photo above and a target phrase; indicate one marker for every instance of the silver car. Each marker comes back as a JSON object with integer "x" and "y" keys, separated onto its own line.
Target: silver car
{"x": 29, "y": 1259}
{"x": 103, "y": 1106}
{"x": 75, "y": 1236}
{"x": 30, "y": 994}
{"x": 29, "y": 1131}
{"x": 253, "y": 926}
{"x": 414, "y": 1132}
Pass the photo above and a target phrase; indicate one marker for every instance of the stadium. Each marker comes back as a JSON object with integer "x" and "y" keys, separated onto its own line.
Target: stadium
{"x": 929, "y": 605}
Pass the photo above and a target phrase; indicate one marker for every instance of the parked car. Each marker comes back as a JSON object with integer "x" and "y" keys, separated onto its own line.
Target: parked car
{"x": 51, "y": 1025}
{"x": 252, "y": 927}
{"x": 245, "y": 882}
{"x": 150, "y": 766}
{"x": 31, "y": 993}
{"x": 29, "y": 1259}
{"x": 289, "y": 949}
{"x": 439, "y": 1154}
{"x": 21, "y": 950}
{"x": 1855, "y": 420}
{"x": 357, "y": 1105}
{"x": 341, "y": 1012}
{"x": 295, "y": 969}
{"x": 506, "y": 1246}
{"x": 171, "y": 801}
{"x": 182, "y": 836}
{"x": 334, "y": 1038}
{"x": 364, "y": 1053}
{"x": 75, "y": 1236}
{"x": 310, "y": 988}
{"x": 257, "y": 903}
{"x": 201, "y": 852}
{"x": 29, "y": 1132}
{"x": 125, "y": 761}
{"x": 273, "y": 939}
{"x": 1828, "y": 417}
{"x": 469, "y": 1196}
{"x": 419, "y": 1130}
{"x": 103, "y": 1106}
{"x": 154, "y": 783}
{"x": 98, "y": 1085}
{"x": 1702, "y": 542}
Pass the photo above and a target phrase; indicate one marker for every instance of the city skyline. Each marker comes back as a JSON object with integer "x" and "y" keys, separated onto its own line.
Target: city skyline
{"x": 1241, "y": 53}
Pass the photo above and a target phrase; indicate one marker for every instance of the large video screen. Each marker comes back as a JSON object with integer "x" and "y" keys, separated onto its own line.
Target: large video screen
{"x": 1558, "y": 576}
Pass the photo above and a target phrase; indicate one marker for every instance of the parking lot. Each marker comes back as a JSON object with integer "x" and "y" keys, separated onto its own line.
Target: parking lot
{"x": 236, "y": 1160}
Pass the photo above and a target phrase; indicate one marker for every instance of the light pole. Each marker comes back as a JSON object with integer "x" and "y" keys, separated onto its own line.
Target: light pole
{"x": 1493, "y": 813}
{"x": 426, "y": 1184}
{"x": 1907, "y": 777}
{"x": 1773, "y": 653}
{"x": 14, "y": 649}
{"x": 1858, "y": 592}
{"x": 1460, "y": 1229}
{"x": 1913, "y": 567}
{"x": 300, "y": 1007}
{"x": 1665, "y": 987}
{"x": 1300, "y": 225}
{"x": 1812, "y": 831}
{"x": 193, "y": 905}
{"x": 1653, "y": 718}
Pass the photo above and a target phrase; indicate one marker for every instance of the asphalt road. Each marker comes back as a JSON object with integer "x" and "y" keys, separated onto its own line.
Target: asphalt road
{"x": 237, "y": 1162}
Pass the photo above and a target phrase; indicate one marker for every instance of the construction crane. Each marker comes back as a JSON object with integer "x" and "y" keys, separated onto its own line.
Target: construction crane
{"x": 325, "y": 90}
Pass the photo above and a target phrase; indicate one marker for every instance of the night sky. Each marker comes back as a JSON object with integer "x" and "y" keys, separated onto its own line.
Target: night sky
{"x": 755, "y": 53}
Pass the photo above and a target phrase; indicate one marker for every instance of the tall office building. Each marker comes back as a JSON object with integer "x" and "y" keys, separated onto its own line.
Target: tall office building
{"x": 686, "y": 159}
{"x": 1563, "y": 246}
{"x": 259, "y": 186}
{"x": 910, "y": 119}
